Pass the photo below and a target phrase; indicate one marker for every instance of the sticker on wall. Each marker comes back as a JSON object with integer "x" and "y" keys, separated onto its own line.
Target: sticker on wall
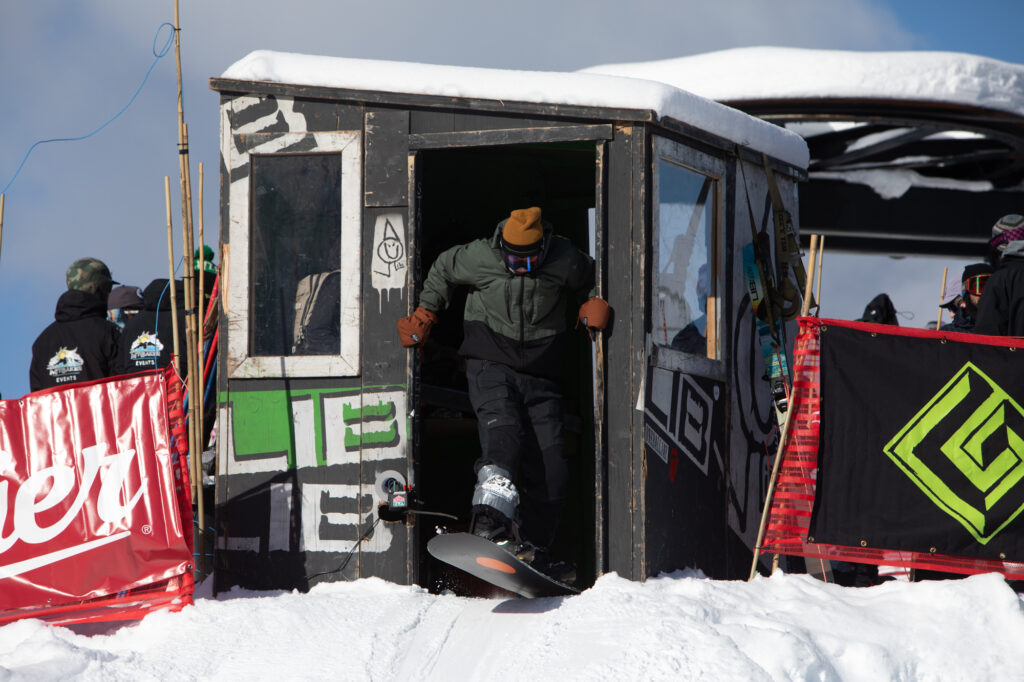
{"x": 389, "y": 256}
{"x": 678, "y": 419}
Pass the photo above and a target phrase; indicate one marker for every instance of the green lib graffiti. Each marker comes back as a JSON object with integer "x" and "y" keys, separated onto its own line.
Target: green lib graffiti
{"x": 277, "y": 429}
{"x": 986, "y": 448}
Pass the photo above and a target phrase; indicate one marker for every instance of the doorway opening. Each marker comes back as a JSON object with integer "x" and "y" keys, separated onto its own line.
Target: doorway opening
{"x": 461, "y": 195}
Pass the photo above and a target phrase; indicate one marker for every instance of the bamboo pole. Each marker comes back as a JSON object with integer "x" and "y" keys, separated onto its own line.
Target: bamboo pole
{"x": 191, "y": 332}
{"x": 942, "y": 295}
{"x": 170, "y": 266}
{"x": 821, "y": 257}
{"x": 805, "y": 309}
{"x": 809, "y": 284}
{"x": 201, "y": 319}
{"x": 190, "y": 308}
{"x": 771, "y": 491}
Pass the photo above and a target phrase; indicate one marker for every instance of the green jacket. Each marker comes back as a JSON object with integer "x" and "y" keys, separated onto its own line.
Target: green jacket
{"x": 514, "y": 319}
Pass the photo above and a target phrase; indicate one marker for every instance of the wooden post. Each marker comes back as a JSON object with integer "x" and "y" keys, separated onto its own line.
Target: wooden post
{"x": 942, "y": 295}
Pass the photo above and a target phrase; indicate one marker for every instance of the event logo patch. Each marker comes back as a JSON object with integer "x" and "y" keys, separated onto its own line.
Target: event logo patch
{"x": 146, "y": 349}
{"x": 964, "y": 449}
{"x": 65, "y": 365}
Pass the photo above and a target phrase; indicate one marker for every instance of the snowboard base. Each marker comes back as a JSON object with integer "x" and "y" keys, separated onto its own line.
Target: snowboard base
{"x": 495, "y": 565}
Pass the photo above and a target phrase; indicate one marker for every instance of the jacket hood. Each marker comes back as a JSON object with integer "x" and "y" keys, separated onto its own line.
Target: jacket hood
{"x": 76, "y": 305}
{"x": 157, "y": 295}
{"x": 880, "y": 311}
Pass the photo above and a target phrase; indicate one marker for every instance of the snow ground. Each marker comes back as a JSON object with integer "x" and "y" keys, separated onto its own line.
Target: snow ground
{"x": 676, "y": 627}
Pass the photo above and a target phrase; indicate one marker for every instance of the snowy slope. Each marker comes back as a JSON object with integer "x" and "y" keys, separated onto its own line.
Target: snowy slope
{"x": 677, "y": 627}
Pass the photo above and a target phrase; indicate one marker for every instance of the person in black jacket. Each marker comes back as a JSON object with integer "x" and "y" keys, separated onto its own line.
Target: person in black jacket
{"x": 147, "y": 341}
{"x": 1001, "y": 308}
{"x": 81, "y": 344}
{"x": 963, "y": 302}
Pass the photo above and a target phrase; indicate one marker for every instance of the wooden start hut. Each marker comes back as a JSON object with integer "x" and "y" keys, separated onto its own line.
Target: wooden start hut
{"x": 343, "y": 179}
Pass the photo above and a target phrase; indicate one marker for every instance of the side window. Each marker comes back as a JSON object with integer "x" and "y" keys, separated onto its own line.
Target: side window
{"x": 687, "y": 193}
{"x": 295, "y": 255}
{"x": 295, "y": 233}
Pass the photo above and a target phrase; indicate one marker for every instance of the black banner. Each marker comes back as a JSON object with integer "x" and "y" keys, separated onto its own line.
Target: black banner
{"x": 922, "y": 444}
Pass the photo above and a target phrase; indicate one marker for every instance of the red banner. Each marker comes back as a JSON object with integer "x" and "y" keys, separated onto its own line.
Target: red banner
{"x": 797, "y": 488}
{"x": 93, "y": 497}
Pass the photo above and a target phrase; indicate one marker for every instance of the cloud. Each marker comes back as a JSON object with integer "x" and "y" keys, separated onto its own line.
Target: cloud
{"x": 68, "y": 67}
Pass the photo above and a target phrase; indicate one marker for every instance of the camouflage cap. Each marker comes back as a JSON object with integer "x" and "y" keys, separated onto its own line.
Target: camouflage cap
{"x": 89, "y": 274}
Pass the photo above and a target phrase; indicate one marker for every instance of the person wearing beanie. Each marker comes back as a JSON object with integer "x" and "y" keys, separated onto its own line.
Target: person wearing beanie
{"x": 1001, "y": 305}
{"x": 81, "y": 343}
{"x": 520, "y": 281}
{"x": 962, "y": 301}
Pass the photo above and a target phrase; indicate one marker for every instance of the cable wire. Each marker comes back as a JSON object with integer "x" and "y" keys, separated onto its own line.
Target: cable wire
{"x": 158, "y": 55}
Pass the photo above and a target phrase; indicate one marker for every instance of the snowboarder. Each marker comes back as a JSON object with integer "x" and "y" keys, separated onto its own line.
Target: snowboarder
{"x": 80, "y": 344}
{"x": 520, "y": 281}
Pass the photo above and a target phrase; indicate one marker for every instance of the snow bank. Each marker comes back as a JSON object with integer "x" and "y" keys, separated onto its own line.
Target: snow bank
{"x": 677, "y": 627}
{"x": 539, "y": 87}
{"x": 775, "y": 72}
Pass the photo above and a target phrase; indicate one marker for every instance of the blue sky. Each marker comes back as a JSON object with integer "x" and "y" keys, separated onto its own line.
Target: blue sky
{"x": 68, "y": 67}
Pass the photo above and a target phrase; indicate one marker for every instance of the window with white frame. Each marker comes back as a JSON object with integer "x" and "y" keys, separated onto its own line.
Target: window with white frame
{"x": 295, "y": 240}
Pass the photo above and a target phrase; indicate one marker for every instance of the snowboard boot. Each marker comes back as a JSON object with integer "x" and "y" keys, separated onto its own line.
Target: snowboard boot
{"x": 495, "y": 505}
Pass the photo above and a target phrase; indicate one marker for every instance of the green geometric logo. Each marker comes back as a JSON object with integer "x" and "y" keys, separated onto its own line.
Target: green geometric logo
{"x": 964, "y": 450}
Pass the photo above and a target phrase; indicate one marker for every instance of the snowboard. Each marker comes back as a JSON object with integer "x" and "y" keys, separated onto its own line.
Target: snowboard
{"x": 494, "y": 564}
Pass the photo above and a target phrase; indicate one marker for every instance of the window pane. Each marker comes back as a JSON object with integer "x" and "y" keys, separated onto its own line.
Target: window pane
{"x": 295, "y": 285}
{"x": 683, "y": 241}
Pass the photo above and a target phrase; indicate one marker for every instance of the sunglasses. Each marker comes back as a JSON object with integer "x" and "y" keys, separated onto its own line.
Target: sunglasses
{"x": 521, "y": 265}
{"x": 975, "y": 285}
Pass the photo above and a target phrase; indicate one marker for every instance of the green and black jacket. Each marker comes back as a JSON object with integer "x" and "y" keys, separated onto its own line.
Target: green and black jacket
{"x": 517, "y": 320}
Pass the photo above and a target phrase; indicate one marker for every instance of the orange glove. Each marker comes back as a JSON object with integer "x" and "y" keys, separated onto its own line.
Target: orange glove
{"x": 415, "y": 329}
{"x": 594, "y": 313}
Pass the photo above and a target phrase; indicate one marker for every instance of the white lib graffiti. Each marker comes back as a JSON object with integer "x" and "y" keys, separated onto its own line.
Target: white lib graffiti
{"x": 322, "y": 524}
{"x": 389, "y": 258}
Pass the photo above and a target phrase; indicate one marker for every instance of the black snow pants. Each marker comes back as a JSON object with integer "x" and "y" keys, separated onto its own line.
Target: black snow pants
{"x": 519, "y": 417}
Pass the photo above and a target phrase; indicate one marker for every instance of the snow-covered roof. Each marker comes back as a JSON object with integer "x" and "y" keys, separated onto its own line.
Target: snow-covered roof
{"x": 543, "y": 87}
{"x": 752, "y": 73}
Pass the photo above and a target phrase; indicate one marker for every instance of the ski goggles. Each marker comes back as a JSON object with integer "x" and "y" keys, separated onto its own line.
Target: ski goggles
{"x": 975, "y": 285}
{"x": 521, "y": 265}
